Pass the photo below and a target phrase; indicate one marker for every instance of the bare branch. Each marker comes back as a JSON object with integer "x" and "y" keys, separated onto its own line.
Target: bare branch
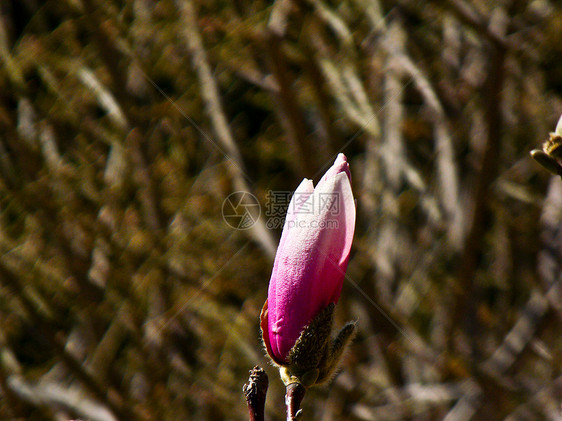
{"x": 255, "y": 392}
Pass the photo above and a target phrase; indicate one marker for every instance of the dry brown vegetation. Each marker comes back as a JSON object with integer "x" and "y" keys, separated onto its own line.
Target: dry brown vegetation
{"x": 125, "y": 124}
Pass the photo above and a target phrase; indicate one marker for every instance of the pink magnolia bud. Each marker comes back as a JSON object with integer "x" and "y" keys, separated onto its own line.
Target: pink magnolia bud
{"x": 311, "y": 259}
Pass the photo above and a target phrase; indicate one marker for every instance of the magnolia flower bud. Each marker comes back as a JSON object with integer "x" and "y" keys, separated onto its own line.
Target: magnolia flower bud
{"x": 307, "y": 279}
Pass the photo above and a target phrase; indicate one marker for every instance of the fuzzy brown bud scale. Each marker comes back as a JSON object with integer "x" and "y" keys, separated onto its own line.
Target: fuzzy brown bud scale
{"x": 316, "y": 355}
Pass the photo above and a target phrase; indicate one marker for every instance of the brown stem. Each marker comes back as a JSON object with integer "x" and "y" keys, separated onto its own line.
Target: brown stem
{"x": 468, "y": 291}
{"x": 290, "y": 112}
{"x": 469, "y": 16}
{"x": 255, "y": 392}
{"x": 293, "y": 398}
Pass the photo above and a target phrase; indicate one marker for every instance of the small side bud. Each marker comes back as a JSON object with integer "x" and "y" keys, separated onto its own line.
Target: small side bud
{"x": 255, "y": 392}
{"x": 545, "y": 161}
{"x": 338, "y": 346}
{"x": 550, "y": 158}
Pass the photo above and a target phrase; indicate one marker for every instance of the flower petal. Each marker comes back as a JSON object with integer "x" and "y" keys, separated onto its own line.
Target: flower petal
{"x": 301, "y": 194}
{"x": 311, "y": 261}
{"x": 340, "y": 165}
